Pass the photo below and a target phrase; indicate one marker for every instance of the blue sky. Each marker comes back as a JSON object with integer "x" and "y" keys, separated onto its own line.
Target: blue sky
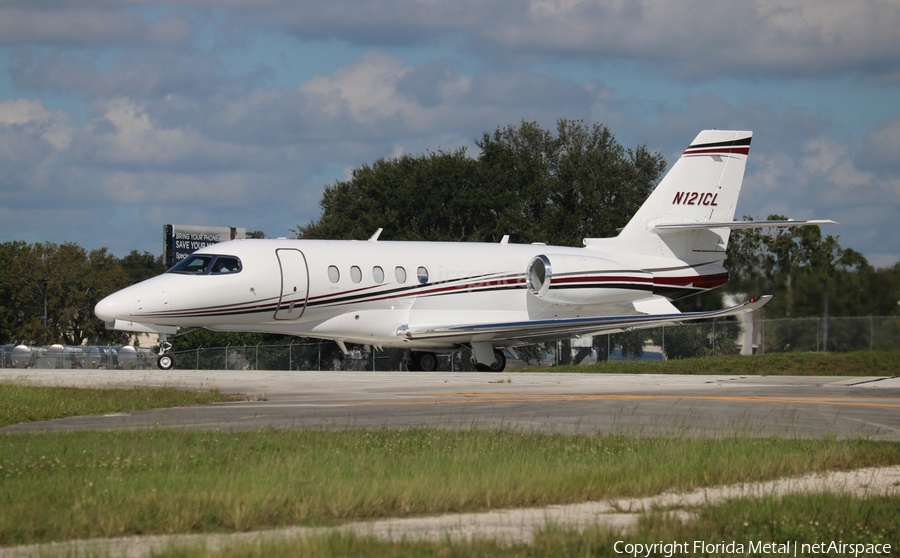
{"x": 119, "y": 117}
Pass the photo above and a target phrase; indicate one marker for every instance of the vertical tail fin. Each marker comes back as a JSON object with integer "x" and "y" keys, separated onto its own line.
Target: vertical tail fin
{"x": 701, "y": 187}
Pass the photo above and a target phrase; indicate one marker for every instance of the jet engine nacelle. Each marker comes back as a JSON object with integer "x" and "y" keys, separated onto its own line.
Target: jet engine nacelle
{"x": 570, "y": 279}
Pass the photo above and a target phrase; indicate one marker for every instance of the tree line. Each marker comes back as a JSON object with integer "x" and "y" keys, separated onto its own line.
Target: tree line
{"x": 48, "y": 291}
{"x": 535, "y": 185}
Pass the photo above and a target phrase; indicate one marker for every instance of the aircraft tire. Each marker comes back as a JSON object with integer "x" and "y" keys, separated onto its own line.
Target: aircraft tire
{"x": 423, "y": 361}
{"x": 498, "y": 365}
{"x": 165, "y": 362}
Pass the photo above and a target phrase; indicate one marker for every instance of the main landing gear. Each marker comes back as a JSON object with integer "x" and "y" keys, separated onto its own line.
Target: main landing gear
{"x": 425, "y": 361}
{"x": 497, "y": 366}
{"x": 422, "y": 361}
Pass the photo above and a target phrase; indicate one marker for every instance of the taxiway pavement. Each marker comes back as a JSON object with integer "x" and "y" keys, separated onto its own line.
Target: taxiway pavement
{"x": 651, "y": 404}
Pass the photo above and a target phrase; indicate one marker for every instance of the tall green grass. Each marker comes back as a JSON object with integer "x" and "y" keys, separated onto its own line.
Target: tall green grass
{"x": 59, "y": 486}
{"x": 26, "y": 403}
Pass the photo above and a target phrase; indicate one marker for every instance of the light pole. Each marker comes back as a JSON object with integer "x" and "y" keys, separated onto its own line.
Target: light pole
{"x": 825, "y": 328}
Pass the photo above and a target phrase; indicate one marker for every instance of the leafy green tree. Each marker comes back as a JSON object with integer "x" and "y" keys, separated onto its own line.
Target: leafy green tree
{"x": 141, "y": 266}
{"x": 580, "y": 183}
{"x": 885, "y": 291}
{"x": 411, "y": 198}
{"x": 11, "y": 316}
{"x": 527, "y": 182}
{"x": 632, "y": 343}
{"x": 55, "y": 288}
{"x": 806, "y": 270}
{"x": 687, "y": 341}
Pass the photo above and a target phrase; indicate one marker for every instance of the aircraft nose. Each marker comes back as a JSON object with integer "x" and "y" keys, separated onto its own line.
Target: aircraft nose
{"x": 108, "y": 308}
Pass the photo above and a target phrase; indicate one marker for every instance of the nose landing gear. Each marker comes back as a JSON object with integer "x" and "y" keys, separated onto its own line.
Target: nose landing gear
{"x": 164, "y": 361}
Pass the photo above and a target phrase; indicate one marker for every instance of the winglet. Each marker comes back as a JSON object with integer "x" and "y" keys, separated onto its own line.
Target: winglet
{"x": 374, "y": 237}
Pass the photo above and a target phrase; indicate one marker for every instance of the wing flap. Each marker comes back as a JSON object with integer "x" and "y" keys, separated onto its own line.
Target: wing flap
{"x": 535, "y": 331}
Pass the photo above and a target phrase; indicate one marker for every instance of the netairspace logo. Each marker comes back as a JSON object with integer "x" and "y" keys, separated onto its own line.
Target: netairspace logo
{"x": 789, "y": 548}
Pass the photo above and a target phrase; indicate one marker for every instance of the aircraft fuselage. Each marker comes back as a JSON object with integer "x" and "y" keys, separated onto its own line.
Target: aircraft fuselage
{"x": 368, "y": 291}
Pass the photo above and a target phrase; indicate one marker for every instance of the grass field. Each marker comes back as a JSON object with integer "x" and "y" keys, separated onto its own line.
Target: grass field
{"x": 26, "y": 403}
{"x": 60, "y": 486}
{"x": 861, "y": 363}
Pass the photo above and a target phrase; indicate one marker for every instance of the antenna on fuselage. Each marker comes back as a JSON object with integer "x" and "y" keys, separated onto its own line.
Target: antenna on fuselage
{"x": 374, "y": 237}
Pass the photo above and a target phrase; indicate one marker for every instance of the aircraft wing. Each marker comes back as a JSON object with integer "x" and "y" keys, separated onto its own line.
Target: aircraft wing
{"x": 535, "y": 331}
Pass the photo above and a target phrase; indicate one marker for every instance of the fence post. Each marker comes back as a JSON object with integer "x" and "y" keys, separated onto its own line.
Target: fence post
{"x": 762, "y": 342}
{"x": 825, "y": 330}
{"x": 226, "y": 355}
{"x": 197, "y": 356}
{"x": 818, "y": 329}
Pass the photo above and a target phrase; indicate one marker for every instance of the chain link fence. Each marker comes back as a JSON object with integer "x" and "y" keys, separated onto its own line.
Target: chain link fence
{"x": 717, "y": 337}
{"x": 320, "y": 356}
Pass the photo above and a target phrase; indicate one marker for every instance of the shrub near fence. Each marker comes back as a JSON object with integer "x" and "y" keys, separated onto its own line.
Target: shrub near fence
{"x": 835, "y": 334}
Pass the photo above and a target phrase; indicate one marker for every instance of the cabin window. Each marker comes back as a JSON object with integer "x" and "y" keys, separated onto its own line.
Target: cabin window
{"x": 378, "y": 274}
{"x": 225, "y": 264}
{"x": 333, "y": 274}
{"x": 355, "y": 274}
{"x": 422, "y": 275}
{"x": 400, "y": 273}
{"x": 207, "y": 264}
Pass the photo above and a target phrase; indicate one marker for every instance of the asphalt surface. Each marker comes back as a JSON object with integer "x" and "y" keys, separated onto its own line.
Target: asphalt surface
{"x": 791, "y": 406}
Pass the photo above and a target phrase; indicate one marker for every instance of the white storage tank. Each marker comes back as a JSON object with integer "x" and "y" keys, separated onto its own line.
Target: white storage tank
{"x": 21, "y": 357}
{"x": 127, "y": 358}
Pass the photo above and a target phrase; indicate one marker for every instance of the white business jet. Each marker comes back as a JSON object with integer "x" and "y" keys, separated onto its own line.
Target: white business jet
{"x": 433, "y": 296}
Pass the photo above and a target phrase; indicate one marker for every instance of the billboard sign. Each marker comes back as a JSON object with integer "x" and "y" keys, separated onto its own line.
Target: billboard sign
{"x": 182, "y": 240}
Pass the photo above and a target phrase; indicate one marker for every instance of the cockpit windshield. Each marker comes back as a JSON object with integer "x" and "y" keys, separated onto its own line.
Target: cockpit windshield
{"x": 207, "y": 264}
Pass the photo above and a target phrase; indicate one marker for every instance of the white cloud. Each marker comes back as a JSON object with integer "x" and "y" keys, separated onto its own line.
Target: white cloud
{"x": 36, "y": 121}
{"x": 22, "y": 111}
{"x": 367, "y": 89}
{"x": 126, "y": 135}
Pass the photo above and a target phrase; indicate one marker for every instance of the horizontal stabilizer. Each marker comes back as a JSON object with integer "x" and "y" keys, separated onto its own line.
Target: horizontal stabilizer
{"x": 677, "y": 227}
{"x": 536, "y": 331}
